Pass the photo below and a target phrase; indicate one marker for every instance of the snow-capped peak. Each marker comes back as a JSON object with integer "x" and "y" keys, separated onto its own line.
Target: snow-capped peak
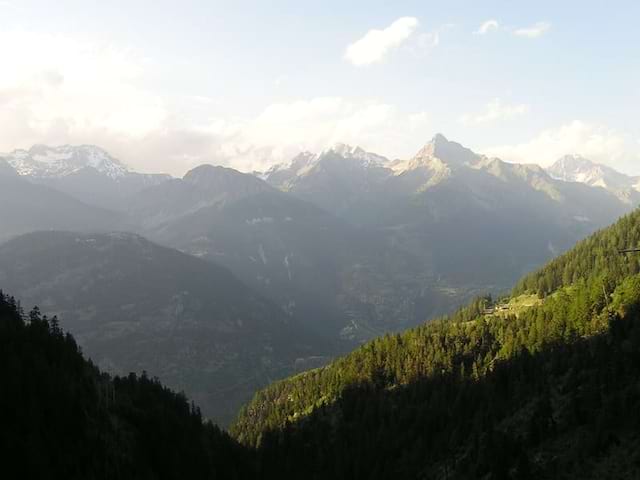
{"x": 575, "y": 168}
{"x": 43, "y": 161}
{"x": 355, "y": 153}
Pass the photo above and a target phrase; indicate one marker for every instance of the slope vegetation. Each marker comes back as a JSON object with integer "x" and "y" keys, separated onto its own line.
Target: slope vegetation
{"x": 548, "y": 389}
{"x": 62, "y": 418}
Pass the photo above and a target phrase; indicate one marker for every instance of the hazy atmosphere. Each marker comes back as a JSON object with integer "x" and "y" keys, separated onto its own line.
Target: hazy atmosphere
{"x": 247, "y": 84}
{"x": 284, "y": 240}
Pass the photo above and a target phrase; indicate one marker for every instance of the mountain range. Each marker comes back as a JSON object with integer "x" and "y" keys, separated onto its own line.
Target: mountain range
{"x": 85, "y": 172}
{"x": 339, "y": 246}
{"x": 574, "y": 168}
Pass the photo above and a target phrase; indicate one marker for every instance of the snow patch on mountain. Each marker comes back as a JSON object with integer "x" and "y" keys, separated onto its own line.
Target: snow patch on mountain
{"x": 42, "y": 161}
{"x": 574, "y": 168}
{"x": 303, "y": 163}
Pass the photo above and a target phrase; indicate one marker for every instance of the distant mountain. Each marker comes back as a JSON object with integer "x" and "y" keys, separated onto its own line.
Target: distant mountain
{"x": 335, "y": 179}
{"x": 574, "y": 168}
{"x": 26, "y": 207}
{"x": 203, "y": 187}
{"x": 467, "y": 219}
{"x": 42, "y": 161}
{"x": 135, "y": 306}
{"x": 288, "y": 249}
{"x": 85, "y": 172}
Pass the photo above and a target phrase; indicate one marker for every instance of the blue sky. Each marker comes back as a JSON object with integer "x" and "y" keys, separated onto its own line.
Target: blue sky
{"x": 169, "y": 85}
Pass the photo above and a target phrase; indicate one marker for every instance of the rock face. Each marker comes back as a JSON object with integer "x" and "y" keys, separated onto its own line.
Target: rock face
{"x": 42, "y": 161}
{"x": 574, "y": 168}
{"x": 136, "y": 306}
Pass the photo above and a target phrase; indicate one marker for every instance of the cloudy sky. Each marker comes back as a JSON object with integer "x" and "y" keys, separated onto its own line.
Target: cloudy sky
{"x": 169, "y": 85}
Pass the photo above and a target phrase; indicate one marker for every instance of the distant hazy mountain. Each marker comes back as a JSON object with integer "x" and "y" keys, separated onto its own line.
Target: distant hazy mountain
{"x": 574, "y": 168}
{"x": 135, "y": 306}
{"x": 288, "y": 249}
{"x": 86, "y": 172}
{"x": 462, "y": 220}
{"x": 336, "y": 179}
{"x": 25, "y": 207}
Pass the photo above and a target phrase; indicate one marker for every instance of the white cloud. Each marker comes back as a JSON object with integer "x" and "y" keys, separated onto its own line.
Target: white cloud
{"x": 495, "y": 111}
{"x": 376, "y": 44}
{"x": 596, "y": 142}
{"x": 281, "y": 130}
{"x": 55, "y": 89}
{"x": 534, "y": 31}
{"x": 487, "y": 26}
{"x": 51, "y": 80}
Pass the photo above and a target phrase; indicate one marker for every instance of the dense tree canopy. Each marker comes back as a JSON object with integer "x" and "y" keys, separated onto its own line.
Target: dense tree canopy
{"x": 62, "y": 418}
{"x": 536, "y": 391}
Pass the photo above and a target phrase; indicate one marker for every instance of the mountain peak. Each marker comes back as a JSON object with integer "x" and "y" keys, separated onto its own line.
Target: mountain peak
{"x": 43, "y": 161}
{"x": 439, "y": 138}
{"x": 351, "y": 152}
{"x": 438, "y": 154}
{"x": 449, "y": 152}
{"x": 572, "y": 162}
{"x": 221, "y": 179}
{"x": 576, "y": 168}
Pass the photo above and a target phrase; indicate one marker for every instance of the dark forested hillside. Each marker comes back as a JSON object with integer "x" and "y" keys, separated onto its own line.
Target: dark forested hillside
{"x": 134, "y": 305}
{"x": 62, "y": 418}
{"x": 545, "y": 384}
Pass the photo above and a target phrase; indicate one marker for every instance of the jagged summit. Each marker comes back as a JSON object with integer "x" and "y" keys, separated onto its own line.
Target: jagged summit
{"x": 42, "y": 161}
{"x": 451, "y": 153}
{"x": 350, "y": 152}
{"x": 438, "y": 155}
{"x": 576, "y": 168}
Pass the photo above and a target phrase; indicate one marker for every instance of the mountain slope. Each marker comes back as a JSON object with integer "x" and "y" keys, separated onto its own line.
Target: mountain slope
{"x": 323, "y": 270}
{"x": 135, "y": 306}
{"x": 539, "y": 385}
{"x": 62, "y": 418}
{"x": 27, "y": 207}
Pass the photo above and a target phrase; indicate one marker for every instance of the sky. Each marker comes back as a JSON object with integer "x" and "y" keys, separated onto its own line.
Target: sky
{"x": 167, "y": 85}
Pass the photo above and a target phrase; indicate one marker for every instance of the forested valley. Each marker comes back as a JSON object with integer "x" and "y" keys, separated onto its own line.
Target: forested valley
{"x": 544, "y": 383}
